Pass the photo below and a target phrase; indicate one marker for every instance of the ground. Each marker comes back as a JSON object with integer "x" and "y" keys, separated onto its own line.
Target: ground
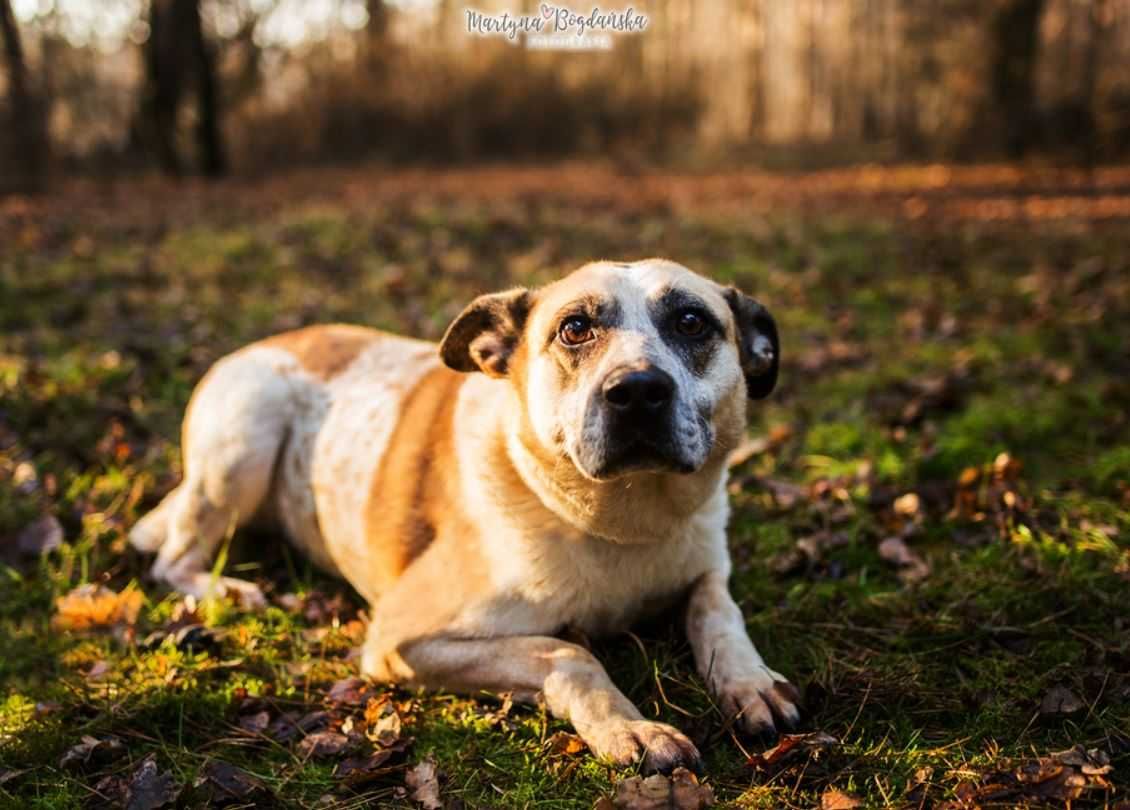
{"x": 931, "y": 527}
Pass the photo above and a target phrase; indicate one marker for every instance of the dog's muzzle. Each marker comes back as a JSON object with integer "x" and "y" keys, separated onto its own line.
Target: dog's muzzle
{"x": 638, "y": 403}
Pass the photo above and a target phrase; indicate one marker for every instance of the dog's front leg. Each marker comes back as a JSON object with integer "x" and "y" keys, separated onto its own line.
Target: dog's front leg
{"x": 572, "y": 682}
{"x": 761, "y": 699}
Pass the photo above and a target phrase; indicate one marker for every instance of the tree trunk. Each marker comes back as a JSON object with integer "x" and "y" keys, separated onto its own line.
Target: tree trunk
{"x": 177, "y": 53}
{"x": 27, "y": 162}
{"x": 1015, "y": 32}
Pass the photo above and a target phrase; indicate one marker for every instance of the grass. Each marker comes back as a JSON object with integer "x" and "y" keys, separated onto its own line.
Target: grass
{"x": 913, "y": 354}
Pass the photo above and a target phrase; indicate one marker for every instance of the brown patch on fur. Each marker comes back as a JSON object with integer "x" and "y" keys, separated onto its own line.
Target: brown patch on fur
{"x": 415, "y": 492}
{"x": 324, "y": 351}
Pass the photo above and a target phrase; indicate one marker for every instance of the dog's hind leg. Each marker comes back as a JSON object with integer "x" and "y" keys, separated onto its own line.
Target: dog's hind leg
{"x": 149, "y": 533}
{"x": 235, "y": 429}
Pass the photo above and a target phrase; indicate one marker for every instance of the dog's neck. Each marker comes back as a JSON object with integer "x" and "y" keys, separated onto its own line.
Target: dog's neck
{"x": 646, "y": 507}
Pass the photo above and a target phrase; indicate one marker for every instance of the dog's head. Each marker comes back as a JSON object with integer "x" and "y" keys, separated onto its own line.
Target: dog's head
{"x": 625, "y": 367}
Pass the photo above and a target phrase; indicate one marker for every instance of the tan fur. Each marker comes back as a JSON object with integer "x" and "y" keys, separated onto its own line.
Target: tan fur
{"x": 324, "y": 351}
{"x": 466, "y": 508}
{"x": 415, "y": 495}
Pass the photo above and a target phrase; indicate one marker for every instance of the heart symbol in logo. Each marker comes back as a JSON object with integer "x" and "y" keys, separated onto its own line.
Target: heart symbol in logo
{"x": 546, "y": 10}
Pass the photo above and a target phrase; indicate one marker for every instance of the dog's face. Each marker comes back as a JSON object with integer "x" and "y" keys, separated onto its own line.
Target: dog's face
{"x": 624, "y": 368}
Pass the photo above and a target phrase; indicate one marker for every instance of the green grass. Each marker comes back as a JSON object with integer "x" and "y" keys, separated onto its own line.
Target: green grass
{"x": 104, "y": 329}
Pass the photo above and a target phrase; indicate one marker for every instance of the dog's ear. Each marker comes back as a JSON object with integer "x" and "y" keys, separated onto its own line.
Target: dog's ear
{"x": 485, "y": 335}
{"x": 759, "y": 349}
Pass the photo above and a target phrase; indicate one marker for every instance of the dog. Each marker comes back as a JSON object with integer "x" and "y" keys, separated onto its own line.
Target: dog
{"x": 559, "y": 464}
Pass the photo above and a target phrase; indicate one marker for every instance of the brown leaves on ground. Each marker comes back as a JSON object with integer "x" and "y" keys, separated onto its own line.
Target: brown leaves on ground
{"x": 350, "y": 692}
{"x": 1061, "y": 777}
{"x": 322, "y": 744}
{"x": 910, "y": 566}
{"x": 422, "y": 781}
{"x": 150, "y": 788}
{"x": 792, "y": 747}
{"x": 834, "y": 799}
{"x": 1061, "y": 700}
{"x": 222, "y": 783}
{"x": 90, "y": 607}
{"x": 679, "y": 791}
{"x": 43, "y": 535}
{"x": 92, "y": 752}
{"x": 359, "y": 726}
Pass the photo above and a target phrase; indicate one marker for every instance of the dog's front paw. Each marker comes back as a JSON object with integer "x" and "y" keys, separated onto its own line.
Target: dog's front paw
{"x": 657, "y": 746}
{"x": 761, "y": 701}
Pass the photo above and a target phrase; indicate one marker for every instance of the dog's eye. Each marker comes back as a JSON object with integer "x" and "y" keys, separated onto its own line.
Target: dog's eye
{"x": 690, "y": 323}
{"x": 576, "y": 330}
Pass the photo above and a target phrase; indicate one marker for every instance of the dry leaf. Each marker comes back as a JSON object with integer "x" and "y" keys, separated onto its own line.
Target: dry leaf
{"x": 1091, "y": 761}
{"x": 10, "y": 774}
{"x": 382, "y": 721}
{"x": 323, "y": 744}
{"x": 225, "y": 783}
{"x": 94, "y": 606}
{"x": 833, "y": 799}
{"x": 92, "y": 751}
{"x": 149, "y": 788}
{"x": 1061, "y": 700}
{"x": 255, "y": 723}
{"x": 907, "y": 505}
{"x": 39, "y": 537}
{"x": 912, "y": 568}
{"x": 790, "y": 746}
{"x": 680, "y": 791}
{"x": 423, "y": 784}
{"x": 350, "y": 692}
{"x": 289, "y": 725}
{"x": 564, "y": 743}
{"x": 360, "y": 769}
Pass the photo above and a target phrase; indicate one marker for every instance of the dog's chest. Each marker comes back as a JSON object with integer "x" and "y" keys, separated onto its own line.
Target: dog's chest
{"x": 600, "y": 587}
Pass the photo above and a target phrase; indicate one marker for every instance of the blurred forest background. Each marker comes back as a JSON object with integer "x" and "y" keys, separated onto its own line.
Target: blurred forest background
{"x": 249, "y": 86}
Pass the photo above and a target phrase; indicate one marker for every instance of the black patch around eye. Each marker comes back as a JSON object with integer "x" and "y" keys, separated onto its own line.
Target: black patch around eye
{"x": 696, "y": 351}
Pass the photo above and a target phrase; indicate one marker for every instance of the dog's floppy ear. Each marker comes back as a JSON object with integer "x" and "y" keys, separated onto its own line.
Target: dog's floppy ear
{"x": 485, "y": 334}
{"x": 759, "y": 349}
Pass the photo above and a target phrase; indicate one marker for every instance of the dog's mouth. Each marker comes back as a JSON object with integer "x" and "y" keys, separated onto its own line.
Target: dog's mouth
{"x": 641, "y": 454}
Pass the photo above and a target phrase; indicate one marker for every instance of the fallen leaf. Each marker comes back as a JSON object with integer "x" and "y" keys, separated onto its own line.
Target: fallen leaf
{"x": 9, "y": 774}
{"x": 224, "y": 782}
{"x": 808, "y": 552}
{"x": 792, "y": 745}
{"x": 382, "y": 722}
{"x": 907, "y": 505}
{"x": 423, "y": 784}
{"x": 255, "y": 723}
{"x": 112, "y": 789}
{"x": 1059, "y": 778}
{"x": 360, "y": 769}
{"x": 833, "y": 799}
{"x": 564, "y": 744}
{"x": 911, "y": 567}
{"x": 289, "y": 725}
{"x": 680, "y": 791}
{"x": 40, "y": 536}
{"x": 95, "y": 606}
{"x": 323, "y": 744}
{"x": 1091, "y": 761}
{"x": 92, "y": 751}
{"x": 350, "y": 692}
{"x": 149, "y": 788}
{"x": 1061, "y": 700}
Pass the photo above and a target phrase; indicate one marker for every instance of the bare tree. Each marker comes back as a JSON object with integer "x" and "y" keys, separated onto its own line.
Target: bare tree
{"x": 27, "y": 127}
{"x": 176, "y": 55}
{"x": 1015, "y": 40}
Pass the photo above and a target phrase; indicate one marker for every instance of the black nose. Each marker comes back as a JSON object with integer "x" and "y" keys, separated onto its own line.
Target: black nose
{"x": 643, "y": 391}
